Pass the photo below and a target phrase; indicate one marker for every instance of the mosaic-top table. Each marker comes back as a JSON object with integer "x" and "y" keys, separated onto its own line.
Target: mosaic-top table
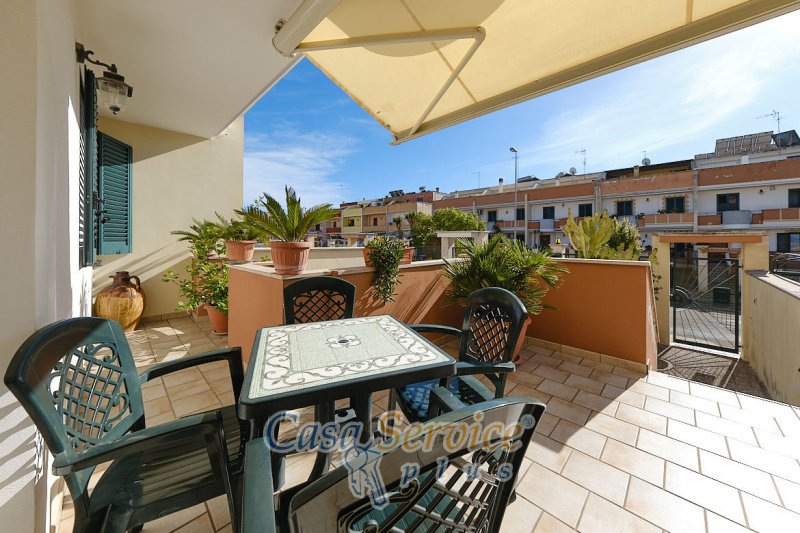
{"x": 302, "y": 365}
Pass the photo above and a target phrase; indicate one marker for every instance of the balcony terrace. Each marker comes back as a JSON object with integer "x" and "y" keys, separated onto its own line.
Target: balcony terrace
{"x": 667, "y": 220}
{"x": 615, "y": 450}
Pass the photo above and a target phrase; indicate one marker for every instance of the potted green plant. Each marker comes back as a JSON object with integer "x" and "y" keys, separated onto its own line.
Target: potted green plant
{"x": 287, "y": 228}
{"x": 206, "y": 285}
{"x": 240, "y": 239}
{"x": 384, "y": 255}
{"x": 504, "y": 263}
{"x": 204, "y": 238}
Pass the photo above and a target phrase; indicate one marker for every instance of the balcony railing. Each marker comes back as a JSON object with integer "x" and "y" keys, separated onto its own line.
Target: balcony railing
{"x": 520, "y": 224}
{"x": 776, "y": 215}
{"x": 534, "y": 224}
{"x": 333, "y": 230}
{"x": 667, "y": 219}
{"x": 709, "y": 220}
{"x": 736, "y": 218}
{"x": 547, "y": 224}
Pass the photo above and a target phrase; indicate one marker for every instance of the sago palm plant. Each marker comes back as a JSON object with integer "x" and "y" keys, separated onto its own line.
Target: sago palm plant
{"x": 268, "y": 218}
{"x": 506, "y": 264}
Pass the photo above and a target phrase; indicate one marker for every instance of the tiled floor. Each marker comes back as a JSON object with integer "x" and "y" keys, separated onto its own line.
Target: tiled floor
{"x": 615, "y": 451}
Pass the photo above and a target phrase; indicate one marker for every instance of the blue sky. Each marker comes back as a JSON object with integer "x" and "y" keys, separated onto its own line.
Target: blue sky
{"x": 308, "y": 133}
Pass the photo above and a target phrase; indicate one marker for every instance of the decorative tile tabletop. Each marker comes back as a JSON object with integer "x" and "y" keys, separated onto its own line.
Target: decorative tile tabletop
{"x": 301, "y": 356}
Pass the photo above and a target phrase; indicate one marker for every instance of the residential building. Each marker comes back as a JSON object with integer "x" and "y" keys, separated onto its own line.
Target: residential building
{"x": 749, "y": 183}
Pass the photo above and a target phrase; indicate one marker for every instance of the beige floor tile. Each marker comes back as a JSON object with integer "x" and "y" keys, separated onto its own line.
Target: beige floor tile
{"x": 153, "y": 393}
{"x": 172, "y": 354}
{"x": 520, "y": 517}
{"x": 173, "y": 521}
{"x": 765, "y": 516}
{"x": 765, "y": 407}
{"x": 558, "y": 390}
{"x": 718, "y": 524}
{"x": 546, "y": 360}
{"x": 569, "y": 411}
{"x": 670, "y": 410}
{"x": 596, "y": 403}
{"x": 525, "y": 391}
{"x": 553, "y": 374}
{"x": 722, "y": 426}
{"x": 634, "y": 461}
{"x": 602, "y": 516}
{"x": 549, "y": 524}
{"x": 546, "y": 424}
{"x": 602, "y": 367}
{"x": 667, "y": 448}
{"x": 219, "y": 511}
{"x": 609, "y": 379}
{"x": 203, "y": 401}
{"x": 158, "y": 406}
{"x": 743, "y": 477}
{"x": 654, "y": 391}
{"x": 623, "y": 396}
{"x": 693, "y": 402}
{"x": 585, "y": 384}
{"x": 789, "y": 426}
{"x": 612, "y": 427}
{"x": 704, "y": 491}
{"x": 664, "y": 509}
{"x": 163, "y": 418}
{"x": 714, "y": 394}
{"x": 788, "y": 446}
{"x": 525, "y": 378}
{"x": 771, "y": 462}
{"x": 642, "y": 418}
{"x": 579, "y": 438}
{"x": 182, "y": 376}
{"x": 547, "y": 452}
{"x": 189, "y": 388}
{"x": 201, "y": 524}
{"x": 697, "y": 437}
{"x": 221, "y": 386}
{"x": 630, "y": 374}
{"x": 215, "y": 374}
{"x": 668, "y": 382}
{"x": 539, "y": 485}
{"x": 600, "y": 478}
{"x": 749, "y": 418}
{"x": 790, "y": 494}
{"x": 575, "y": 369}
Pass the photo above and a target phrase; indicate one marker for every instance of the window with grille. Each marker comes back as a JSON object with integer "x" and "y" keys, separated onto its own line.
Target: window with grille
{"x": 549, "y": 212}
{"x": 794, "y": 197}
{"x": 491, "y": 216}
{"x": 727, "y": 202}
{"x": 675, "y": 204}
{"x": 520, "y": 213}
{"x": 624, "y": 208}
{"x": 584, "y": 210}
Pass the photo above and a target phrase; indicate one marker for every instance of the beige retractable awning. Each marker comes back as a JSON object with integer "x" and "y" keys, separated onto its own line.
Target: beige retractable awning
{"x": 421, "y": 65}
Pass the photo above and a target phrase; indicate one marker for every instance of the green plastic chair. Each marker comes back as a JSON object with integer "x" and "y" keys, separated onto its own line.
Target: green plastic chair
{"x": 77, "y": 380}
{"x": 471, "y": 495}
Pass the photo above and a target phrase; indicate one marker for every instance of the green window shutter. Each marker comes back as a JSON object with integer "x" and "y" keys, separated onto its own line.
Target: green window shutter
{"x": 114, "y": 160}
{"x": 88, "y": 170}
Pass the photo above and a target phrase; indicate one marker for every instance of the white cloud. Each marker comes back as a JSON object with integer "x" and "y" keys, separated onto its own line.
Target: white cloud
{"x": 669, "y": 100}
{"x": 306, "y": 161}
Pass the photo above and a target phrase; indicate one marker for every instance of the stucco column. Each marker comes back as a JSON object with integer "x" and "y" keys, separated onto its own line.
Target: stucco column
{"x": 754, "y": 256}
{"x": 661, "y": 279}
{"x": 702, "y": 268}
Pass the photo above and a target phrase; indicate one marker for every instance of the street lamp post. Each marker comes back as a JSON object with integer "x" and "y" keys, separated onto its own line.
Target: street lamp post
{"x": 516, "y": 177}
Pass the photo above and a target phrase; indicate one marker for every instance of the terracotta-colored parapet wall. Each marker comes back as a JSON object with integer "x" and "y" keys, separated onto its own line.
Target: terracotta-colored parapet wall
{"x": 772, "y": 170}
{"x": 255, "y": 298}
{"x": 605, "y": 307}
{"x": 602, "y": 307}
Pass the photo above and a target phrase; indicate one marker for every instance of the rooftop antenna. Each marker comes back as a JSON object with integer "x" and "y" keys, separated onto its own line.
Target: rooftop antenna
{"x": 776, "y": 116}
{"x": 645, "y": 159}
{"x": 582, "y": 151}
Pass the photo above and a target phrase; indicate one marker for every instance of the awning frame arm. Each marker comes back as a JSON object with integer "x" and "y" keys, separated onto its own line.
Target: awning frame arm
{"x": 478, "y": 34}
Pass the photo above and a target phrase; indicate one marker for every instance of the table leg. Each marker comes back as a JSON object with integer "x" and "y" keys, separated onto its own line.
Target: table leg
{"x": 362, "y": 404}
{"x": 324, "y": 414}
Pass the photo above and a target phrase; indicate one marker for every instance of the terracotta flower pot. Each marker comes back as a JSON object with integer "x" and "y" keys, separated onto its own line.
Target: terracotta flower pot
{"x": 219, "y": 321}
{"x": 290, "y": 257}
{"x": 240, "y": 250}
{"x": 521, "y": 340}
{"x": 367, "y": 261}
{"x": 408, "y": 255}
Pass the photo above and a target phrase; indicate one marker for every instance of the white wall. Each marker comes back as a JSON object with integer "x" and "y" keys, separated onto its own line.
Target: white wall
{"x": 750, "y": 199}
{"x": 40, "y": 279}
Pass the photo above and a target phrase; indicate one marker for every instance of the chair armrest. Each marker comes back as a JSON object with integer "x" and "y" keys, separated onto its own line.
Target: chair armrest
{"x": 435, "y": 328}
{"x": 232, "y": 355}
{"x": 156, "y": 437}
{"x": 444, "y": 400}
{"x": 464, "y": 368}
{"x": 258, "y": 504}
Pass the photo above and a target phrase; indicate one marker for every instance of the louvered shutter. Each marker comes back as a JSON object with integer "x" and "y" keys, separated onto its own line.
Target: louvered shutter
{"x": 88, "y": 169}
{"x": 114, "y": 213}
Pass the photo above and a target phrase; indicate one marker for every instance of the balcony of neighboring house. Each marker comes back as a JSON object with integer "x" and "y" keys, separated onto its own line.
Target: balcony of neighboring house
{"x": 351, "y": 225}
{"x": 333, "y": 231}
{"x": 788, "y": 215}
{"x": 547, "y": 225}
{"x": 510, "y": 224}
{"x": 667, "y": 221}
{"x": 534, "y": 225}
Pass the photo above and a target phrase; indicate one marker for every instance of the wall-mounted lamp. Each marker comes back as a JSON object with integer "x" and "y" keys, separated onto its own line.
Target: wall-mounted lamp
{"x": 647, "y": 199}
{"x": 772, "y": 187}
{"x": 760, "y": 191}
{"x": 112, "y": 88}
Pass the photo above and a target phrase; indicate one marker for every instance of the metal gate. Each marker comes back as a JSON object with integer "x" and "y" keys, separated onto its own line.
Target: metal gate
{"x": 705, "y": 301}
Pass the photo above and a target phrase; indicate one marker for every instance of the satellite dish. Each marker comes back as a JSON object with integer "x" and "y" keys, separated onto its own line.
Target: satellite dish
{"x": 646, "y": 161}
{"x": 573, "y": 170}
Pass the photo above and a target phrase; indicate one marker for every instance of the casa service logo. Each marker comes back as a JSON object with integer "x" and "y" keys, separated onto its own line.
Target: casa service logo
{"x": 362, "y": 453}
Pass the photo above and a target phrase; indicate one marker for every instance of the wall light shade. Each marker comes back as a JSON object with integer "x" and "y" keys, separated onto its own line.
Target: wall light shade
{"x": 113, "y": 91}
